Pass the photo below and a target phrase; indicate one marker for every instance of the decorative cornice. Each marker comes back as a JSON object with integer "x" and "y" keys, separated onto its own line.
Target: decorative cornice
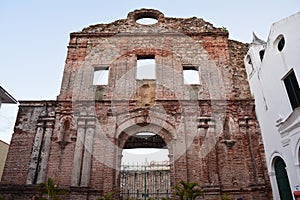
{"x": 292, "y": 122}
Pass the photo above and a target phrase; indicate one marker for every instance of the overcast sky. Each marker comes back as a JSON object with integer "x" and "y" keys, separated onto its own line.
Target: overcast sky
{"x": 34, "y": 36}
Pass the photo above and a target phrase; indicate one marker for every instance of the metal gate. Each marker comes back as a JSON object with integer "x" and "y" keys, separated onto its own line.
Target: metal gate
{"x": 146, "y": 181}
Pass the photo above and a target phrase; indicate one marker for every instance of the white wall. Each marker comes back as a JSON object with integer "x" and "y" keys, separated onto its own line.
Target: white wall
{"x": 272, "y": 102}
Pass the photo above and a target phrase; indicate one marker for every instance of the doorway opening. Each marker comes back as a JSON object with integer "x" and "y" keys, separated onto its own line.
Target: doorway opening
{"x": 145, "y": 168}
{"x": 282, "y": 179}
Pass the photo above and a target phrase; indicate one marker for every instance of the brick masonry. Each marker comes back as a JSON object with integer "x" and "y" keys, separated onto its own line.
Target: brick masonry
{"x": 210, "y": 129}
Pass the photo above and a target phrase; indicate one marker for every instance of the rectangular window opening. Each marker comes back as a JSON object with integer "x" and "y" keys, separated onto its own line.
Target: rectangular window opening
{"x": 101, "y": 75}
{"x": 145, "y": 68}
{"x": 191, "y": 75}
{"x": 292, "y": 88}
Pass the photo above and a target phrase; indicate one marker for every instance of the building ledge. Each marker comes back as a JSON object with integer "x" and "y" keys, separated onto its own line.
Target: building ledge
{"x": 292, "y": 122}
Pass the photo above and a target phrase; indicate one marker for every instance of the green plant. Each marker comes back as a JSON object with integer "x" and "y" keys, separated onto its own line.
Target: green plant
{"x": 223, "y": 28}
{"x": 50, "y": 190}
{"x": 225, "y": 197}
{"x": 188, "y": 191}
{"x": 108, "y": 196}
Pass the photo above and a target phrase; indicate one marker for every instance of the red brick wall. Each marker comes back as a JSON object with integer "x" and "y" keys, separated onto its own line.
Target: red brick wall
{"x": 210, "y": 129}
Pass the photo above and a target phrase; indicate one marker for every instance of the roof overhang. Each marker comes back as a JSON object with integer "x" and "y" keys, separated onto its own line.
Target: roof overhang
{"x": 5, "y": 97}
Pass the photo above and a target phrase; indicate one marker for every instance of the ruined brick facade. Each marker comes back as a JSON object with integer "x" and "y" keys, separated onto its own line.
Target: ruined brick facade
{"x": 210, "y": 129}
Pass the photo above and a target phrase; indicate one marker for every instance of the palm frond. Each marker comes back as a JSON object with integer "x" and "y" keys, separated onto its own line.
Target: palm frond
{"x": 188, "y": 191}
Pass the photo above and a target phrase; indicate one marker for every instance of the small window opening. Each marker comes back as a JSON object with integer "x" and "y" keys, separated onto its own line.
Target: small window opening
{"x": 261, "y": 54}
{"x": 146, "y": 21}
{"x": 281, "y": 43}
{"x": 249, "y": 66}
{"x": 292, "y": 88}
{"x": 145, "y": 68}
{"x": 101, "y": 76}
{"x": 249, "y": 61}
{"x": 191, "y": 75}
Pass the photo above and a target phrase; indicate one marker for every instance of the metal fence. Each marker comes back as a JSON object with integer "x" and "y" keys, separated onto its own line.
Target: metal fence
{"x": 145, "y": 181}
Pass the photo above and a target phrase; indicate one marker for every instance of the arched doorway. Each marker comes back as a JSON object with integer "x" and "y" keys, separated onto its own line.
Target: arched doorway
{"x": 282, "y": 179}
{"x": 145, "y": 167}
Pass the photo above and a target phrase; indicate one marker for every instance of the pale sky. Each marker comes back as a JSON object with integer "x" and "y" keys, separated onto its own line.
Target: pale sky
{"x": 34, "y": 36}
{"x": 134, "y": 156}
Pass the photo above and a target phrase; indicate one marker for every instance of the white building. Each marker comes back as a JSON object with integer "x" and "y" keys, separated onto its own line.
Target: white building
{"x": 273, "y": 69}
{"x": 5, "y": 97}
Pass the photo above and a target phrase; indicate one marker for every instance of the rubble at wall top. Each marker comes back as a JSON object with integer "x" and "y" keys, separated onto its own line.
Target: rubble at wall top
{"x": 191, "y": 25}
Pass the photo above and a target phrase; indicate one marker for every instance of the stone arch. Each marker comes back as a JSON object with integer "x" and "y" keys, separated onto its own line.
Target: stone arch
{"x": 144, "y": 123}
{"x": 274, "y": 155}
{"x": 152, "y": 128}
{"x": 141, "y": 120}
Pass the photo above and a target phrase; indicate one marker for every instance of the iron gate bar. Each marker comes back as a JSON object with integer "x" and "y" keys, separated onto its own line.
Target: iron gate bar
{"x": 145, "y": 181}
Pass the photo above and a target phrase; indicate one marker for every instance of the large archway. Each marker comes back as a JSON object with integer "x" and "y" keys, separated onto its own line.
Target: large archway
{"x": 282, "y": 179}
{"x": 149, "y": 178}
{"x": 143, "y": 148}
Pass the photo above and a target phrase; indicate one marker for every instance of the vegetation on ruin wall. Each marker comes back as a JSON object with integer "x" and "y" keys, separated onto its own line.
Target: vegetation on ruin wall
{"x": 108, "y": 196}
{"x": 51, "y": 191}
{"x": 183, "y": 191}
{"x": 188, "y": 191}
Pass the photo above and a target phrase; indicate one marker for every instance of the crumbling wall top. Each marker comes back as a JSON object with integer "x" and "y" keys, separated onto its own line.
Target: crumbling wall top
{"x": 164, "y": 24}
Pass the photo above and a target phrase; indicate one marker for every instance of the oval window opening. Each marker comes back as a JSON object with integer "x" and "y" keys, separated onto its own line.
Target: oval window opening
{"x": 147, "y": 21}
{"x": 281, "y": 44}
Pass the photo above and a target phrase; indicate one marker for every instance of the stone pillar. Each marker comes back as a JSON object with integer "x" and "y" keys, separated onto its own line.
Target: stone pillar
{"x": 40, "y": 151}
{"x": 83, "y": 152}
{"x": 190, "y": 132}
{"x": 88, "y": 151}
{"x": 208, "y": 155}
{"x": 45, "y": 152}
{"x": 202, "y": 129}
{"x": 75, "y": 179}
{"x": 255, "y": 153}
{"x": 31, "y": 176}
{"x": 244, "y": 126}
{"x": 179, "y": 150}
{"x": 213, "y": 161}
